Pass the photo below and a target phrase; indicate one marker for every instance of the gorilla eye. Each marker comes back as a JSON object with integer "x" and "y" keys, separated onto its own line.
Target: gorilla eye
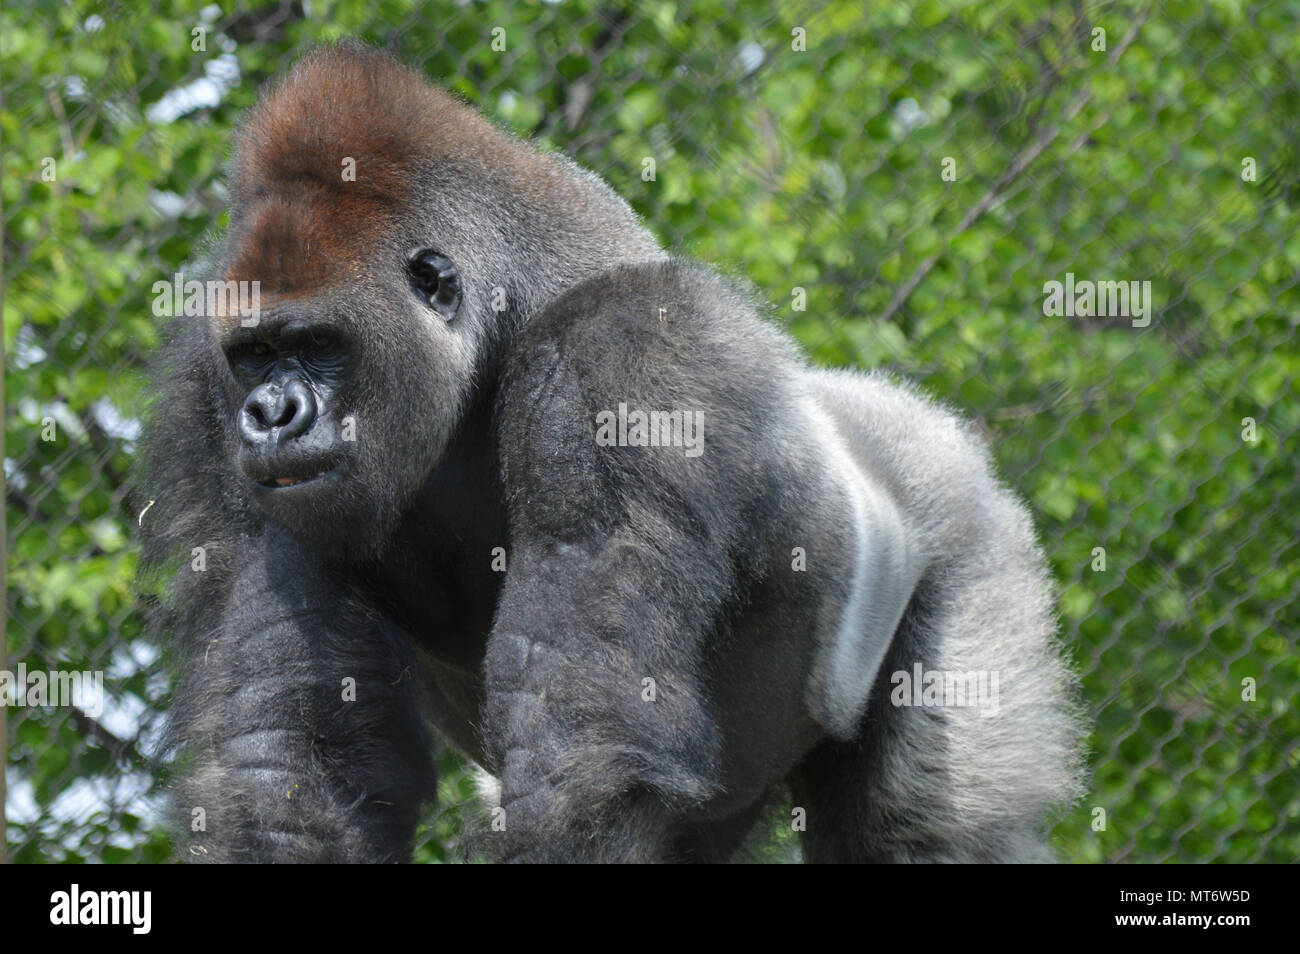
{"x": 251, "y": 362}
{"x": 436, "y": 280}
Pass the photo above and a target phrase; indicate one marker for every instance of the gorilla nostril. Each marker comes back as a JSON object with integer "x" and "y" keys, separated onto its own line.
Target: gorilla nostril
{"x": 265, "y": 406}
{"x": 299, "y": 410}
{"x": 284, "y": 413}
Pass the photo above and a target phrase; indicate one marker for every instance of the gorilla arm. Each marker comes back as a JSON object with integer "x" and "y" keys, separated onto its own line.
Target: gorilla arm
{"x": 299, "y": 716}
{"x": 618, "y": 719}
{"x": 593, "y": 768}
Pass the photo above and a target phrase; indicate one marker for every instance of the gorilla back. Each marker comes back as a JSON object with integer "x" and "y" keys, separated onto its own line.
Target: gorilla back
{"x": 489, "y": 461}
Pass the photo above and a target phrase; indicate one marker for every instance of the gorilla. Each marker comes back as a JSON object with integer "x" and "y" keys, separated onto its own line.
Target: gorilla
{"x": 490, "y": 468}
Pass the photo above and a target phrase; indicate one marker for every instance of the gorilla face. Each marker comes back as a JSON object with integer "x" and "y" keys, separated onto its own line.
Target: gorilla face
{"x": 290, "y": 425}
{"x": 345, "y": 401}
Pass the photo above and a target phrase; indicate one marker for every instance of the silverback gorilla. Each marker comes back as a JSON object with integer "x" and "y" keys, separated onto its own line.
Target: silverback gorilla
{"x": 489, "y": 465}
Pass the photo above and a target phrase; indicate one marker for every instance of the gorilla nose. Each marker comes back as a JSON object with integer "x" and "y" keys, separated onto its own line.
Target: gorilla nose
{"x": 273, "y": 414}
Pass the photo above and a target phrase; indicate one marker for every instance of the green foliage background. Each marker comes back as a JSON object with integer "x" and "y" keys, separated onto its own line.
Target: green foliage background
{"x": 818, "y": 169}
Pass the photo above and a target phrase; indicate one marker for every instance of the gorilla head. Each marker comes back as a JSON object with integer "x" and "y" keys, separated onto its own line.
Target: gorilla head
{"x": 398, "y": 239}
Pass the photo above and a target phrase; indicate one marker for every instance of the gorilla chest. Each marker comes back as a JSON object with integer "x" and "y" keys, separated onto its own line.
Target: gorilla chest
{"x": 445, "y": 603}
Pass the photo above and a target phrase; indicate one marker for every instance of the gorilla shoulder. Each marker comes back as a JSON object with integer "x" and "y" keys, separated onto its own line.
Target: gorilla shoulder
{"x": 658, "y": 354}
{"x": 657, "y": 324}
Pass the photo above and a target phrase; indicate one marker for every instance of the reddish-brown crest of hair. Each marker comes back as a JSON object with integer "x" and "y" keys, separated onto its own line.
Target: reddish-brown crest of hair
{"x": 297, "y": 224}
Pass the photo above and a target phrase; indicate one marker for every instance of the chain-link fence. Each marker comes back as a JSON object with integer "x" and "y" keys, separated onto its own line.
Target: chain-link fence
{"x": 904, "y": 182}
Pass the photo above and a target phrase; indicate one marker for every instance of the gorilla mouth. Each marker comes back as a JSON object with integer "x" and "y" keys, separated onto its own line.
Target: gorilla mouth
{"x": 279, "y": 482}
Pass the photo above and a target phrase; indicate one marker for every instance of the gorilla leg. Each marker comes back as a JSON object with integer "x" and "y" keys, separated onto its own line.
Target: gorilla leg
{"x": 300, "y": 720}
{"x": 960, "y": 778}
{"x": 944, "y": 783}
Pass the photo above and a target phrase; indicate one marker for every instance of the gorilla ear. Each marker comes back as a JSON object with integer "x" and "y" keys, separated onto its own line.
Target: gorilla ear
{"x": 435, "y": 278}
